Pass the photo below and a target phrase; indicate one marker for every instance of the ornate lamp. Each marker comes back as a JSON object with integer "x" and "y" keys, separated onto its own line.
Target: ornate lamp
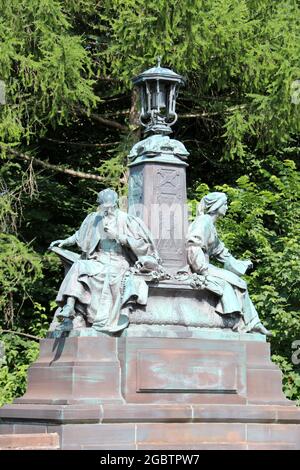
{"x": 158, "y": 88}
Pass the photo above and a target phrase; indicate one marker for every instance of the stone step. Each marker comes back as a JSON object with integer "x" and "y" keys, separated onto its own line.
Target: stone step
{"x": 242, "y": 445}
{"x": 37, "y": 441}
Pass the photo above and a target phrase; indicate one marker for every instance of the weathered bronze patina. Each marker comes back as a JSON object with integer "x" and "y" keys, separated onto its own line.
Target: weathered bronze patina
{"x": 152, "y": 346}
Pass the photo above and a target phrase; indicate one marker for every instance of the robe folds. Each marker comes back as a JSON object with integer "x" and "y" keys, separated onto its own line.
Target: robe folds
{"x": 204, "y": 244}
{"x": 101, "y": 281}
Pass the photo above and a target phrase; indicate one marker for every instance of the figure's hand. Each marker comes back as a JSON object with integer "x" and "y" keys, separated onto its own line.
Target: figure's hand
{"x": 203, "y": 270}
{"x": 110, "y": 233}
{"x": 147, "y": 264}
{"x": 59, "y": 243}
{"x": 248, "y": 263}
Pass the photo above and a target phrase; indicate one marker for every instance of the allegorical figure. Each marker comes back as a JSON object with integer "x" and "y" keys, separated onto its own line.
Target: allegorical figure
{"x": 203, "y": 244}
{"x": 99, "y": 287}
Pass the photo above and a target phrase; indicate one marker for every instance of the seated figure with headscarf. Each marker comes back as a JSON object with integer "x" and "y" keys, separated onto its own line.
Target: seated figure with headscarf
{"x": 203, "y": 244}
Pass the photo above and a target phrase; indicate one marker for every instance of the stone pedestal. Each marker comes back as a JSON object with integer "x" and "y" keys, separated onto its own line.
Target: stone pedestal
{"x": 162, "y": 205}
{"x": 175, "y": 303}
{"x": 157, "y": 194}
{"x": 178, "y": 377}
{"x": 179, "y": 388}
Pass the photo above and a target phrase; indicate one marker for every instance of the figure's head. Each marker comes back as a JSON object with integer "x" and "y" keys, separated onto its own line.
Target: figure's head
{"x": 213, "y": 203}
{"x": 108, "y": 201}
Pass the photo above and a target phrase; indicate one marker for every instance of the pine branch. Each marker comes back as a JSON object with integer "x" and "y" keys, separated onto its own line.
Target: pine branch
{"x": 101, "y": 120}
{"x": 209, "y": 114}
{"x": 49, "y": 166}
{"x": 36, "y": 338}
{"x": 81, "y": 144}
{"x": 124, "y": 112}
{"x": 196, "y": 115}
{"x": 112, "y": 98}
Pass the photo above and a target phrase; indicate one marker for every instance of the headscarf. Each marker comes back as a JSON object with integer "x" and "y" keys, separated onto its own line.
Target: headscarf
{"x": 211, "y": 203}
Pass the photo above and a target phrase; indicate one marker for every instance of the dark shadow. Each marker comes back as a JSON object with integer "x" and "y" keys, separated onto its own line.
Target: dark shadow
{"x": 58, "y": 347}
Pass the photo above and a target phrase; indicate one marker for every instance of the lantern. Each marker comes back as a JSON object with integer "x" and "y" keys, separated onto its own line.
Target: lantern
{"x": 158, "y": 89}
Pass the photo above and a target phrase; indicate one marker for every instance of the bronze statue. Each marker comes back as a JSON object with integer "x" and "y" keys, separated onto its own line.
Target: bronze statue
{"x": 203, "y": 244}
{"x": 100, "y": 287}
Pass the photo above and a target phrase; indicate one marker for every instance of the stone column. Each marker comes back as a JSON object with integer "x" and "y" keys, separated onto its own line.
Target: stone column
{"x": 157, "y": 194}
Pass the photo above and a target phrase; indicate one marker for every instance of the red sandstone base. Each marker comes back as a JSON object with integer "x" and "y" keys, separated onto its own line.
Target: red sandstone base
{"x": 156, "y": 393}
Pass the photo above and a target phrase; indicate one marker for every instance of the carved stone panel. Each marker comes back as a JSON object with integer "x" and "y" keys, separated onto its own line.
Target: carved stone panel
{"x": 192, "y": 371}
{"x": 136, "y": 191}
{"x": 170, "y": 197}
{"x": 184, "y": 371}
{"x": 157, "y": 194}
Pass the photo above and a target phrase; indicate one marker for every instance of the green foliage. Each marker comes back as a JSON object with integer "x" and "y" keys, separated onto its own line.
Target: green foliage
{"x": 44, "y": 65}
{"x": 291, "y": 379}
{"x": 19, "y": 268}
{"x": 19, "y": 354}
{"x": 67, "y": 67}
{"x": 263, "y": 224}
{"x": 243, "y": 52}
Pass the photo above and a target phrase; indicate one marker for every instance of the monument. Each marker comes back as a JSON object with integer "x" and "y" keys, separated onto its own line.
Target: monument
{"x": 153, "y": 346}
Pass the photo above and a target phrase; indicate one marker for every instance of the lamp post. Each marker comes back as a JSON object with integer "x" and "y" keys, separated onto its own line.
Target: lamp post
{"x": 157, "y": 166}
{"x": 158, "y": 87}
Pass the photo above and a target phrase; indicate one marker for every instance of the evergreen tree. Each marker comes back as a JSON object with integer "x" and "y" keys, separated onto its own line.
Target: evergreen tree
{"x": 70, "y": 119}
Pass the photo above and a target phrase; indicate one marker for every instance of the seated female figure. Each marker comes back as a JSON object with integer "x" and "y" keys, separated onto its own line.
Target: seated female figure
{"x": 204, "y": 244}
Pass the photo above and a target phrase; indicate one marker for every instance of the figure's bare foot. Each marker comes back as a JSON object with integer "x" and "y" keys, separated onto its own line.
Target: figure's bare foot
{"x": 66, "y": 312}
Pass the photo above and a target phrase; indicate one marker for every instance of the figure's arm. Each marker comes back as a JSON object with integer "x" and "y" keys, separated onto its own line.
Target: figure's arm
{"x": 139, "y": 246}
{"x": 196, "y": 247}
{"x": 221, "y": 253}
{"x": 139, "y": 238}
{"x": 78, "y": 237}
{"x": 72, "y": 240}
{"x": 67, "y": 242}
{"x": 114, "y": 235}
{"x": 196, "y": 259}
{"x": 232, "y": 264}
